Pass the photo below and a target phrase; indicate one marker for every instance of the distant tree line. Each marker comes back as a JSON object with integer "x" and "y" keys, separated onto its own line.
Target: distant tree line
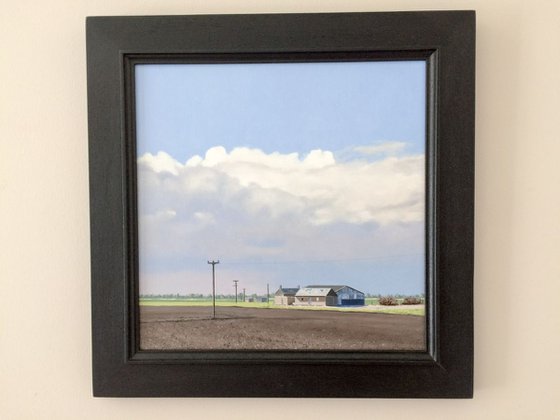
{"x": 397, "y": 296}
{"x": 195, "y": 296}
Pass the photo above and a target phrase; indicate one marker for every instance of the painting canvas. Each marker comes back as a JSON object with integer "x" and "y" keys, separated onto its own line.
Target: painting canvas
{"x": 281, "y": 206}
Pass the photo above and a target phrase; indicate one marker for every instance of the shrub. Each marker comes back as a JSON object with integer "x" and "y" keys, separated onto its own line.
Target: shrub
{"x": 411, "y": 300}
{"x": 388, "y": 301}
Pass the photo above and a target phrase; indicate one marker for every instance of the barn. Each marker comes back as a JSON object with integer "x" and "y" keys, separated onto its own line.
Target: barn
{"x": 285, "y": 295}
{"x": 316, "y": 296}
{"x": 346, "y": 295}
{"x": 329, "y": 295}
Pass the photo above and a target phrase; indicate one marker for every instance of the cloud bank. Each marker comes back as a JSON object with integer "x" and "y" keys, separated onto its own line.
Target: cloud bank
{"x": 315, "y": 187}
{"x": 245, "y": 204}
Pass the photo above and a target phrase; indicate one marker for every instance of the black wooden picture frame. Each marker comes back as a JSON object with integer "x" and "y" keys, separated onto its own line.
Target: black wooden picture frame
{"x": 446, "y": 41}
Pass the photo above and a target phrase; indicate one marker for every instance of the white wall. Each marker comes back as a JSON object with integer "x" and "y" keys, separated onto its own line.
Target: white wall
{"x": 44, "y": 253}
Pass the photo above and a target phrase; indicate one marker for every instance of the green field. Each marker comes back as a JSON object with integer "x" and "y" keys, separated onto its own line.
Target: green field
{"x": 400, "y": 310}
{"x": 204, "y": 302}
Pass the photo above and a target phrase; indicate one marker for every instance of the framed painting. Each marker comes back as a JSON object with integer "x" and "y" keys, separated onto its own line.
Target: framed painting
{"x": 282, "y": 205}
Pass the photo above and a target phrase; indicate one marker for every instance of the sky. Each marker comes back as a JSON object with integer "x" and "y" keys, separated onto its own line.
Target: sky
{"x": 289, "y": 174}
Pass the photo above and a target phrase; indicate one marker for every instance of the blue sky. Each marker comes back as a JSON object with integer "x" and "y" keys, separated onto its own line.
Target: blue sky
{"x": 184, "y": 109}
{"x": 290, "y": 174}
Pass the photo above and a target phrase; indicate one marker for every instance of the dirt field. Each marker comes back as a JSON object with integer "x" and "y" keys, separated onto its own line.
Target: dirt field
{"x": 191, "y": 328}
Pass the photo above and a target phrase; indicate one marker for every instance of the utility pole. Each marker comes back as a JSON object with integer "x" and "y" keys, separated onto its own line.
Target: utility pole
{"x": 243, "y": 294}
{"x": 235, "y": 281}
{"x": 213, "y": 287}
{"x": 267, "y": 293}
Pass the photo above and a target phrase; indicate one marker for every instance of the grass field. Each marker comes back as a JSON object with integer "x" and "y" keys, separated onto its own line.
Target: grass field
{"x": 371, "y": 306}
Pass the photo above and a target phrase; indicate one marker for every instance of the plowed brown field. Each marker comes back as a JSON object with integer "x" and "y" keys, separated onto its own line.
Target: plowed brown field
{"x": 192, "y": 328}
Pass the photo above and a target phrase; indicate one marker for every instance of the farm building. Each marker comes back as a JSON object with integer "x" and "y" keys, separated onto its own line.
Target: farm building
{"x": 315, "y": 296}
{"x": 327, "y": 295}
{"x": 285, "y": 295}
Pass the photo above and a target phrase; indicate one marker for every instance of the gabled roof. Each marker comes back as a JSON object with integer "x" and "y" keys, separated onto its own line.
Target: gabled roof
{"x": 336, "y": 288}
{"x": 286, "y": 291}
{"x": 316, "y": 291}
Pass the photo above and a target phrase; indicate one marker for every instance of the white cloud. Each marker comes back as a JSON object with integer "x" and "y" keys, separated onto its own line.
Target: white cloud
{"x": 248, "y": 204}
{"x": 384, "y": 148}
{"x": 193, "y": 161}
{"x": 161, "y": 162}
{"x": 162, "y": 215}
{"x": 319, "y": 159}
{"x": 204, "y": 217}
{"x": 315, "y": 188}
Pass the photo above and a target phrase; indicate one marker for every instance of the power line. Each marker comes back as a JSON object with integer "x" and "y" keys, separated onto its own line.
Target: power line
{"x": 350, "y": 260}
{"x": 236, "y": 281}
{"x": 213, "y": 287}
